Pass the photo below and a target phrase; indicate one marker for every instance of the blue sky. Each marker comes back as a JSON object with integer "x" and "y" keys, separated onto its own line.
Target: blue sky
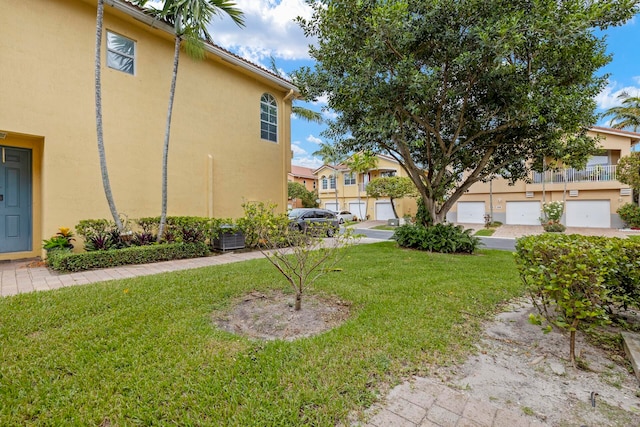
{"x": 271, "y": 31}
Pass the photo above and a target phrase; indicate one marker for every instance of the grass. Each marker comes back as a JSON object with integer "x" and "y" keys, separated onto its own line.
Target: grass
{"x": 144, "y": 351}
{"x": 485, "y": 232}
{"x": 385, "y": 227}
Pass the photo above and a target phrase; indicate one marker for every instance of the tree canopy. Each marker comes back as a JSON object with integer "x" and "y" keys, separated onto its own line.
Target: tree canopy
{"x": 457, "y": 91}
{"x": 393, "y": 187}
{"x": 299, "y": 191}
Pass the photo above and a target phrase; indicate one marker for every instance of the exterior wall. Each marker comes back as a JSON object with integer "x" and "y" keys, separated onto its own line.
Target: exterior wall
{"x": 619, "y": 146}
{"x": 349, "y": 193}
{"x": 217, "y": 159}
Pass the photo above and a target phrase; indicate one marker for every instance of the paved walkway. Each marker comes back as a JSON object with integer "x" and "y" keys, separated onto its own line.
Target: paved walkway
{"x": 425, "y": 403}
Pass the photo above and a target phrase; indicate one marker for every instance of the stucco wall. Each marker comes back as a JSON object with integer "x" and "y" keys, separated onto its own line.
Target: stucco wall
{"x": 217, "y": 158}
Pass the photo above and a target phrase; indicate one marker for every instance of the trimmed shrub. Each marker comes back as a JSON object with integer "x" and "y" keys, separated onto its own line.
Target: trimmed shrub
{"x": 630, "y": 214}
{"x": 445, "y": 238}
{"x": 578, "y": 279}
{"x": 68, "y": 262}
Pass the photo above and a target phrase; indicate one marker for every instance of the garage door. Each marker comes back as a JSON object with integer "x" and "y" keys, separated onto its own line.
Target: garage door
{"x": 471, "y": 212}
{"x": 331, "y": 206}
{"x": 384, "y": 211}
{"x": 523, "y": 213}
{"x": 358, "y": 209}
{"x": 588, "y": 213}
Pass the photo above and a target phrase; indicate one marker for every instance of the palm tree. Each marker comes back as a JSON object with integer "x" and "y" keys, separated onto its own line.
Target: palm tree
{"x": 99, "y": 132}
{"x": 360, "y": 163}
{"x": 190, "y": 19}
{"x": 331, "y": 157}
{"x": 626, "y": 115}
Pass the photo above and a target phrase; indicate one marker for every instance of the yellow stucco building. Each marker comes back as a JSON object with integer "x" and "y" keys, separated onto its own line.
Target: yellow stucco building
{"x": 591, "y": 195}
{"x": 230, "y": 135}
{"x": 349, "y": 189}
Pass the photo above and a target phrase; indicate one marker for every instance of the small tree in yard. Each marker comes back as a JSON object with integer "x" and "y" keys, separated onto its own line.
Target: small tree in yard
{"x": 393, "y": 187}
{"x": 301, "y": 257}
{"x": 628, "y": 171}
{"x": 566, "y": 278}
{"x": 298, "y": 191}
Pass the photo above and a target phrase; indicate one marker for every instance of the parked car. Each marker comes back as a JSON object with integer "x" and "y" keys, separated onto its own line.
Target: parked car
{"x": 304, "y": 219}
{"x": 346, "y": 216}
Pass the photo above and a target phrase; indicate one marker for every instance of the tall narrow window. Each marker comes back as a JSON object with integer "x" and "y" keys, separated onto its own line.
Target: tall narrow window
{"x": 268, "y": 118}
{"x": 121, "y": 53}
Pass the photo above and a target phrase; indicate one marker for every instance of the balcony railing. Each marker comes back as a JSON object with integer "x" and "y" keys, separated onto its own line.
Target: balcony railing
{"x": 596, "y": 173}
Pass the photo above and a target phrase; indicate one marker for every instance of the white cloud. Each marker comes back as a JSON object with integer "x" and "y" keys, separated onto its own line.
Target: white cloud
{"x": 636, "y": 79}
{"x": 314, "y": 140}
{"x": 307, "y": 162}
{"x": 270, "y": 30}
{"x": 609, "y": 96}
{"x": 297, "y": 150}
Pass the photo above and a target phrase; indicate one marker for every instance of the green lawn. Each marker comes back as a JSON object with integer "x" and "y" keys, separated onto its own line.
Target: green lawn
{"x": 144, "y": 351}
{"x": 485, "y": 232}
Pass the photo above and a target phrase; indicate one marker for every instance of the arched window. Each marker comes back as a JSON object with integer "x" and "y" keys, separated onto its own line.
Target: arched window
{"x": 268, "y": 118}
{"x": 325, "y": 183}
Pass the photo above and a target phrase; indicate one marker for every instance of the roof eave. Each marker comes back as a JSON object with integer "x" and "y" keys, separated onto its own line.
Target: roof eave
{"x": 153, "y": 22}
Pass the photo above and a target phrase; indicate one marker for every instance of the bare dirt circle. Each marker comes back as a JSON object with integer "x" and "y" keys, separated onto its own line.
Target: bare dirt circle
{"x": 271, "y": 316}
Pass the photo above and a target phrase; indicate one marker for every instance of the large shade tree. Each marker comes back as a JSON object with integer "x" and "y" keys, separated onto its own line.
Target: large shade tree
{"x": 190, "y": 19}
{"x": 458, "y": 91}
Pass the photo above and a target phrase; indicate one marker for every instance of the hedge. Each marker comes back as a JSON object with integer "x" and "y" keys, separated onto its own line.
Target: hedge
{"x": 70, "y": 262}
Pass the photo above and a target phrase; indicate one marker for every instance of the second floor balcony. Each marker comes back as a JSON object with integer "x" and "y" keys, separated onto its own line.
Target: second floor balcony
{"x": 597, "y": 173}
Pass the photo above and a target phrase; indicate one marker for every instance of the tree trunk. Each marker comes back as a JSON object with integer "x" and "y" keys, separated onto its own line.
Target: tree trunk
{"x": 99, "y": 132}
{"x": 393, "y": 208}
{"x": 167, "y": 133}
{"x": 298, "y": 304}
{"x": 572, "y": 348}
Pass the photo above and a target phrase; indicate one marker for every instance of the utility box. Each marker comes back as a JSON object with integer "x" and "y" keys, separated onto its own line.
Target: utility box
{"x": 393, "y": 222}
{"x": 228, "y": 239}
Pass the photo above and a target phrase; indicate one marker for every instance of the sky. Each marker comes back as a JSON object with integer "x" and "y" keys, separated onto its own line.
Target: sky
{"x": 271, "y": 31}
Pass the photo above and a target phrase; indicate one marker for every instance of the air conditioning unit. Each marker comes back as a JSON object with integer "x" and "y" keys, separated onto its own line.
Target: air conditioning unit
{"x": 228, "y": 239}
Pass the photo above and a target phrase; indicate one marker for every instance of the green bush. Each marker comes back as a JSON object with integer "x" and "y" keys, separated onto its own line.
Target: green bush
{"x": 68, "y": 262}
{"x": 554, "y": 227}
{"x": 630, "y": 214}
{"x": 578, "y": 279}
{"x": 445, "y": 238}
{"x": 260, "y": 223}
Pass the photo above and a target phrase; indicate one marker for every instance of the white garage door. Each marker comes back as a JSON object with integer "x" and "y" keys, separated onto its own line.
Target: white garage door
{"x": 523, "y": 213}
{"x": 359, "y": 211}
{"x": 331, "y": 206}
{"x": 588, "y": 213}
{"x": 471, "y": 212}
{"x": 384, "y": 211}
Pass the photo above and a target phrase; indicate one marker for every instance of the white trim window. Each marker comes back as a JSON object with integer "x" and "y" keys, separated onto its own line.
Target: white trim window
{"x": 332, "y": 182}
{"x": 325, "y": 182}
{"x": 350, "y": 178}
{"x": 121, "y": 53}
{"x": 268, "y": 118}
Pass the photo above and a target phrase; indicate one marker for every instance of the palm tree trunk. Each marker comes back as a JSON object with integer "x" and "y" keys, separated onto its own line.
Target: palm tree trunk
{"x": 167, "y": 133}
{"x": 99, "y": 131}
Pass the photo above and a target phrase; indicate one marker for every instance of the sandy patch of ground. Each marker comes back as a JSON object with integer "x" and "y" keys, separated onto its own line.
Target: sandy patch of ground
{"x": 520, "y": 368}
{"x": 271, "y": 316}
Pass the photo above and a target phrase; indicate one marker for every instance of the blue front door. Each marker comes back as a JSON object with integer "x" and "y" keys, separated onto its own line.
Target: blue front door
{"x": 15, "y": 199}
